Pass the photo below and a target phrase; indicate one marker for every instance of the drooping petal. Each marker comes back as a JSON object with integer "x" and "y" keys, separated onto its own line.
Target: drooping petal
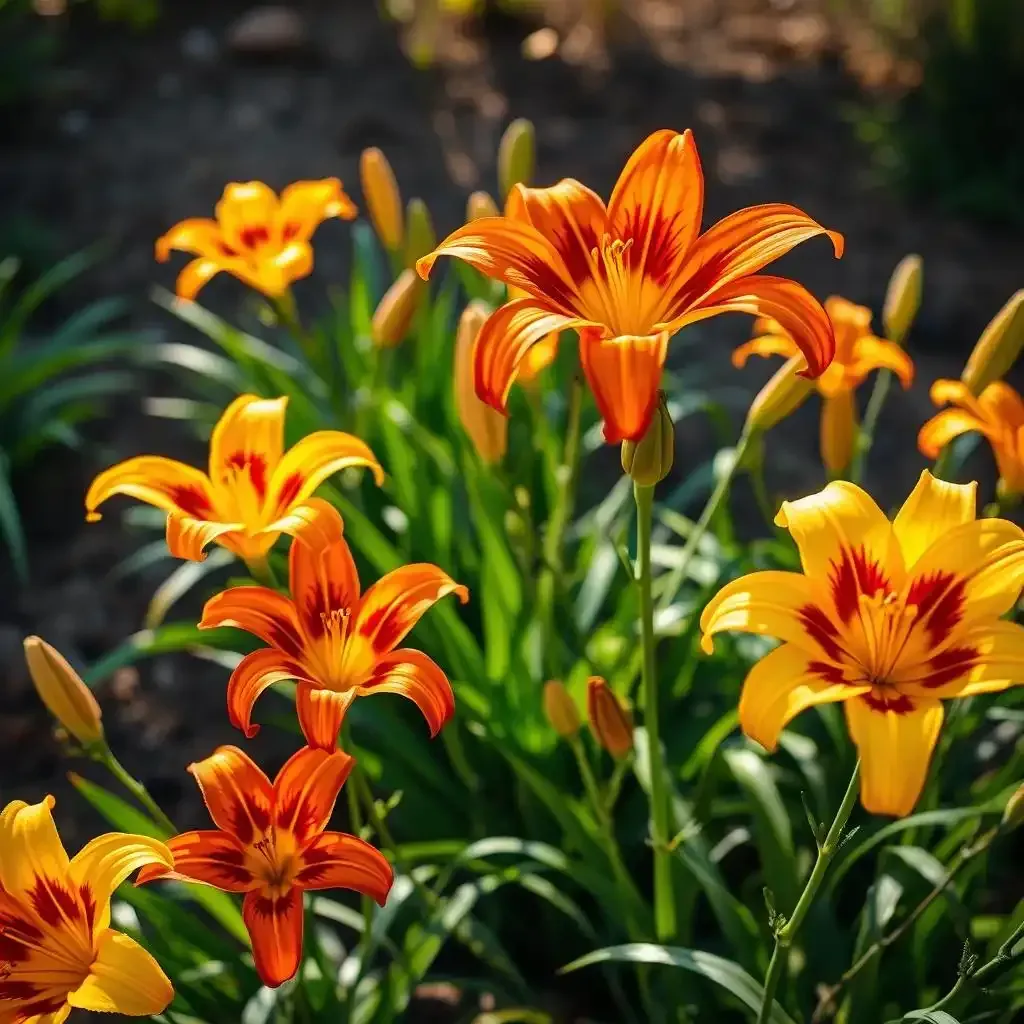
{"x": 166, "y": 483}
{"x": 321, "y": 713}
{"x": 943, "y": 427}
{"x": 932, "y": 509}
{"x": 248, "y": 439}
{"x": 277, "y": 272}
{"x": 838, "y": 430}
{"x": 275, "y": 928}
{"x": 872, "y": 353}
{"x": 765, "y": 345}
{"x": 412, "y": 674}
{"x": 263, "y": 612}
{"x": 306, "y": 789}
{"x": 334, "y": 860}
{"x": 658, "y": 202}
{"x": 305, "y": 204}
{"x": 30, "y": 848}
{"x": 198, "y": 235}
{"x": 1002, "y": 404}
{"x": 187, "y": 537}
{"x": 238, "y": 795}
{"x": 396, "y": 602}
{"x": 309, "y": 463}
{"x": 123, "y": 979}
{"x": 895, "y": 736}
{"x": 245, "y": 212}
{"x": 785, "y": 682}
{"x": 624, "y": 374}
{"x": 256, "y": 672}
{"x": 197, "y": 273}
{"x": 207, "y": 856}
{"x": 956, "y": 392}
{"x": 314, "y": 520}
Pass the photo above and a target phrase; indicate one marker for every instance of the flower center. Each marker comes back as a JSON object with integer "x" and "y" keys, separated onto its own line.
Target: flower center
{"x": 345, "y": 659}
{"x": 273, "y": 861}
{"x": 614, "y": 294}
{"x": 886, "y": 621}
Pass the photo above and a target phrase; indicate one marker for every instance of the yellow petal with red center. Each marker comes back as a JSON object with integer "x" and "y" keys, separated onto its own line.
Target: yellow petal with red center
{"x": 292, "y": 263}
{"x": 315, "y": 517}
{"x": 256, "y": 672}
{"x": 306, "y": 204}
{"x": 846, "y": 544}
{"x": 798, "y": 312}
{"x": 412, "y": 674}
{"x": 766, "y": 345}
{"x": 334, "y": 860}
{"x": 838, "y": 430}
{"x": 248, "y": 440}
{"x": 872, "y": 353}
{"x": 396, "y": 602}
{"x": 895, "y": 736}
{"x": 304, "y": 467}
{"x": 511, "y": 251}
{"x": 321, "y": 713}
{"x": 658, "y": 202}
{"x": 209, "y": 857}
{"x": 197, "y": 273}
{"x": 785, "y": 682}
{"x": 504, "y": 341}
{"x": 198, "y": 235}
{"x": 538, "y": 359}
{"x": 123, "y": 979}
{"x": 30, "y": 849}
{"x": 187, "y": 537}
{"x": 944, "y": 426}
{"x": 263, "y": 612}
{"x": 246, "y": 213}
{"x": 624, "y": 374}
{"x": 932, "y": 509}
{"x": 165, "y": 483}
{"x": 307, "y": 788}
{"x": 238, "y": 795}
{"x": 275, "y": 928}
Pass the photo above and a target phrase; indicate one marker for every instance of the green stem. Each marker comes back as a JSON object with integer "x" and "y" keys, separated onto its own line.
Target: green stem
{"x": 784, "y": 935}
{"x": 866, "y": 434}
{"x": 288, "y": 316}
{"x": 262, "y": 572}
{"x": 664, "y": 900}
{"x": 106, "y": 757}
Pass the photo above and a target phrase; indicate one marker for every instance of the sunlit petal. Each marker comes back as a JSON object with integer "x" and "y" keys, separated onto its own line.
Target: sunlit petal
{"x": 305, "y": 204}
{"x": 275, "y": 928}
{"x": 209, "y": 857}
{"x": 766, "y": 345}
{"x": 872, "y": 353}
{"x": 30, "y": 848}
{"x": 238, "y": 795}
{"x": 334, "y": 860}
{"x": 124, "y": 979}
{"x": 197, "y": 273}
{"x": 169, "y": 485}
{"x": 198, "y": 235}
{"x": 1002, "y": 404}
{"x": 263, "y": 612}
{"x": 248, "y": 438}
{"x": 321, "y": 713}
{"x": 412, "y": 674}
{"x": 306, "y": 789}
{"x": 932, "y": 508}
{"x": 943, "y": 427}
{"x": 838, "y": 430}
{"x": 245, "y": 213}
{"x": 256, "y": 672}
{"x": 188, "y": 538}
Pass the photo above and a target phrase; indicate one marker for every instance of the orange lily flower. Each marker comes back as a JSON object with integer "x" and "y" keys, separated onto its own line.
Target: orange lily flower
{"x": 253, "y": 488}
{"x": 626, "y": 276}
{"x": 57, "y": 949}
{"x": 271, "y": 845}
{"x": 257, "y": 237}
{"x": 858, "y": 352}
{"x": 889, "y": 618}
{"x": 336, "y": 643}
{"x": 997, "y": 414}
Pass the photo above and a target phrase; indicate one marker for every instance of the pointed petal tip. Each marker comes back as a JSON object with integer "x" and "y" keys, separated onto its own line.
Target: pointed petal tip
{"x": 425, "y": 264}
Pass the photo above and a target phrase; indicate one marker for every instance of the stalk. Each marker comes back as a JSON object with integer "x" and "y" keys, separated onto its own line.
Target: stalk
{"x": 106, "y": 757}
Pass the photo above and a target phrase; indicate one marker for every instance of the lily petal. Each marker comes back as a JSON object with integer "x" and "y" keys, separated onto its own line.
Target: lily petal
{"x": 165, "y": 483}
{"x": 871, "y": 353}
{"x": 30, "y": 848}
{"x": 946, "y": 425}
{"x": 237, "y": 794}
{"x": 207, "y": 856}
{"x": 838, "y": 430}
{"x": 321, "y": 713}
{"x": 412, "y": 674}
{"x": 256, "y": 672}
{"x": 931, "y": 510}
{"x": 123, "y": 979}
{"x": 334, "y": 860}
{"x": 263, "y": 612}
{"x": 198, "y": 235}
{"x": 306, "y": 204}
{"x": 196, "y": 274}
{"x": 306, "y": 789}
{"x": 1002, "y": 404}
{"x": 245, "y": 213}
{"x": 248, "y": 438}
{"x": 275, "y": 928}
{"x": 766, "y": 345}
{"x": 187, "y": 537}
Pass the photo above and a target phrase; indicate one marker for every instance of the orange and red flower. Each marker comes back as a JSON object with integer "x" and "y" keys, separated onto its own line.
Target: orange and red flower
{"x": 337, "y": 643}
{"x": 271, "y": 845}
{"x": 626, "y": 276}
{"x": 253, "y": 489}
{"x": 259, "y": 238}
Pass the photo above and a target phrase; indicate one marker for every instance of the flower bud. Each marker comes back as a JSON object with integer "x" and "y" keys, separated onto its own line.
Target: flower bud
{"x": 487, "y": 428}
{"x": 383, "y": 199}
{"x": 480, "y": 204}
{"x": 902, "y": 298}
{"x": 68, "y": 699}
{"x": 1013, "y": 813}
{"x": 998, "y": 347}
{"x": 610, "y": 722}
{"x": 393, "y": 315}
{"x": 420, "y": 236}
{"x": 649, "y": 460}
{"x": 516, "y": 155}
{"x": 783, "y": 394}
{"x": 560, "y": 709}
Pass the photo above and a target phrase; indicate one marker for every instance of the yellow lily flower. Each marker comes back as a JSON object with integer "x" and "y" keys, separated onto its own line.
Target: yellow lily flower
{"x": 889, "y": 618}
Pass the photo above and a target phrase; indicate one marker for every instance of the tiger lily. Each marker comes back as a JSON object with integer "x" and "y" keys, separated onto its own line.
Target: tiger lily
{"x": 257, "y": 237}
{"x": 253, "y": 487}
{"x": 271, "y": 845}
{"x": 57, "y": 949}
{"x": 858, "y": 352}
{"x": 336, "y": 643}
{"x": 628, "y": 275}
{"x": 997, "y": 414}
{"x": 889, "y": 618}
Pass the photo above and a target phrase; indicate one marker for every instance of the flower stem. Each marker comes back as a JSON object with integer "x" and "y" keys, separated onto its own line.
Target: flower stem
{"x": 785, "y": 934}
{"x": 866, "y": 434}
{"x": 105, "y": 756}
{"x": 664, "y": 900}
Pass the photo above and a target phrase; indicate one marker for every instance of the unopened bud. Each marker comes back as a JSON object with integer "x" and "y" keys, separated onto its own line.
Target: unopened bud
{"x": 610, "y": 722}
{"x": 393, "y": 315}
{"x": 1013, "y": 813}
{"x": 480, "y": 204}
{"x": 998, "y": 347}
{"x": 902, "y": 298}
{"x": 516, "y": 155}
{"x": 68, "y": 699}
{"x": 560, "y": 709}
{"x": 783, "y": 394}
{"x": 420, "y": 236}
{"x": 383, "y": 199}
{"x": 487, "y": 428}
{"x": 649, "y": 460}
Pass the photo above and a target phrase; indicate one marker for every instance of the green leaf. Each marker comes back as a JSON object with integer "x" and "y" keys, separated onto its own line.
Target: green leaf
{"x": 10, "y": 523}
{"x": 725, "y": 973}
{"x": 181, "y": 580}
{"x": 934, "y": 1016}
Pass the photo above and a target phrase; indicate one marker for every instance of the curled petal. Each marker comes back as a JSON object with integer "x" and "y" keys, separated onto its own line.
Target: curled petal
{"x": 412, "y": 674}
{"x": 306, "y": 789}
{"x": 238, "y": 795}
{"x": 316, "y": 520}
{"x": 263, "y": 612}
{"x": 624, "y": 374}
{"x": 321, "y": 713}
{"x": 1002, "y": 404}
{"x": 197, "y": 273}
{"x": 248, "y": 438}
{"x": 275, "y": 928}
{"x": 165, "y": 483}
{"x": 305, "y": 204}
{"x": 123, "y": 979}
{"x": 187, "y": 537}
{"x": 955, "y": 392}
{"x": 255, "y": 673}
{"x": 245, "y": 213}
{"x": 946, "y": 425}
{"x": 334, "y": 860}
{"x": 30, "y": 848}
{"x": 932, "y": 509}
{"x": 877, "y": 354}
{"x": 292, "y": 263}
{"x": 838, "y": 430}
{"x": 766, "y": 345}
{"x": 198, "y": 235}
{"x": 209, "y": 857}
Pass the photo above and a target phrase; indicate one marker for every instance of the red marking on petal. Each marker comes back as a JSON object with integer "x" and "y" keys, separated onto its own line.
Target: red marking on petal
{"x": 53, "y": 903}
{"x": 291, "y": 229}
{"x": 88, "y": 904}
{"x": 253, "y": 463}
{"x": 853, "y": 575}
{"x": 16, "y": 991}
{"x": 17, "y": 926}
{"x": 11, "y": 950}
{"x": 898, "y": 703}
{"x": 949, "y": 665}
{"x": 820, "y": 628}
{"x": 253, "y": 237}
{"x": 289, "y": 491}
{"x": 830, "y": 673}
{"x": 940, "y": 598}
{"x": 192, "y": 501}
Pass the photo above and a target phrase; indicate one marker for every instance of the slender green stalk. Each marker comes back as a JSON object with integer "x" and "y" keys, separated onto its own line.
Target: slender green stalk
{"x": 866, "y": 434}
{"x": 664, "y": 900}
{"x": 105, "y": 756}
{"x": 287, "y": 314}
{"x": 262, "y": 572}
{"x": 785, "y": 934}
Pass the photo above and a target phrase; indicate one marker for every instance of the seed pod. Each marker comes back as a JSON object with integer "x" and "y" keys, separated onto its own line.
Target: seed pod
{"x": 998, "y": 347}
{"x": 610, "y": 722}
{"x": 560, "y": 709}
{"x": 480, "y": 204}
{"x": 902, "y": 298}
{"x": 649, "y": 460}
{"x": 516, "y": 155}
{"x": 61, "y": 689}
{"x": 393, "y": 315}
{"x": 784, "y": 393}
{"x": 420, "y": 235}
{"x": 487, "y": 428}
{"x": 383, "y": 199}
